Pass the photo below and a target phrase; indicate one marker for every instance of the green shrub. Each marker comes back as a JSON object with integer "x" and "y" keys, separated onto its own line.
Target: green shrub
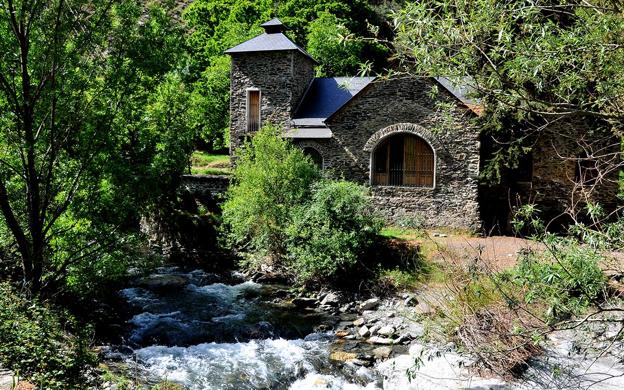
{"x": 566, "y": 277}
{"x": 329, "y": 233}
{"x": 271, "y": 178}
{"x": 35, "y": 343}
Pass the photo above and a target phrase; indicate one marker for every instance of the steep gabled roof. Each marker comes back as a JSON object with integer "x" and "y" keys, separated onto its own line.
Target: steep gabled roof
{"x": 272, "y": 40}
{"x": 326, "y": 96}
{"x": 461, "y": 88}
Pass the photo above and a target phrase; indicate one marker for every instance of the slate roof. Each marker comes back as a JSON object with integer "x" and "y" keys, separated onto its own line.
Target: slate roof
{"x": 273, "y": 23}
{"x": 325, "y": 96}
{"x": 462, "y": 90}
{"x": 272, "y": 40}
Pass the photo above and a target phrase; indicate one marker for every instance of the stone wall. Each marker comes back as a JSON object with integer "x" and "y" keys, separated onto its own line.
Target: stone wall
{"x": 282, "y": 78}
{"x": 406, "y": 106}
{"x": 556, "y": 154}
{"x": 205, "y": 186}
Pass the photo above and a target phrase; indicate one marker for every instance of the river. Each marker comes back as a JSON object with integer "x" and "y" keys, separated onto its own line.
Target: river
{"x": 204, "y": 332}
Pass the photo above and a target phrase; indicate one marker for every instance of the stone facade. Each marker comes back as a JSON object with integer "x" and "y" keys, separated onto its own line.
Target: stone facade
{"x": 347, "y": 139}
{"x": 550, "y": 176}
{"x": 282, "y": 78}
{"x": 405, "y": 105}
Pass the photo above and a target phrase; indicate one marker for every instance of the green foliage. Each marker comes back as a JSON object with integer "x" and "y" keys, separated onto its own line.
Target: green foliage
{"x": 567, "y": 277}
{"x": 271, "y": 179}
{"x": 333, "y": 43}
{"x": 106, "y": 133}
{"x": 279, "y": 210}
{"x": 330, "y": 232}
{"x": 217, "y": 25}
{"x": 35, "y": 343}
{"x": 210, "y": 103}
{"x": 531, "y": 63}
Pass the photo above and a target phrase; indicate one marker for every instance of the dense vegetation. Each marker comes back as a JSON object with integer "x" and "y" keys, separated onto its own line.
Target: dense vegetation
{"x": 102, "y": 103}
{"x": 280, "y": 212}
{"x": 339, "y": 34}
{"x": 531, "y": 64}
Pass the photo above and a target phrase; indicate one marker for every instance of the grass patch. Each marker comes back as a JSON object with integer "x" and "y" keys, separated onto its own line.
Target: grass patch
{"x": 205, "y": 163}
{"x": 401, "y": 233}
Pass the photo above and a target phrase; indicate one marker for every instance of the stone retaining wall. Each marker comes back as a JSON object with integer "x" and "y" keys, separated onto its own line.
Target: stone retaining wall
{"x": 205, "y": 186}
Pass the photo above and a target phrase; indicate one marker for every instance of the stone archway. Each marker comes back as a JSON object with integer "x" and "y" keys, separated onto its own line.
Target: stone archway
{"x": 401, "y": 128}
{"x": 402, "y": 155}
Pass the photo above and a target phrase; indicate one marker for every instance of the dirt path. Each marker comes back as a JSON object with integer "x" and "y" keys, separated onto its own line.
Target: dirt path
{"x": 497, "y": 252}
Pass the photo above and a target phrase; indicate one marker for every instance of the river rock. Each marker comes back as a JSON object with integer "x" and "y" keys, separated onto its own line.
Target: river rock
{"x": 423, "y": 308}
{"x": 342, "y": 333}
{"x": 331, "y": 299}
{"x": 303, "y": 302}
{"x": 387, "y": 330}
{"x": 369, "y": 304}
{"x": 410, "y": 300}
{"x": 345, "y": 308}
{"x": 382, "y": 352}
{"x": 342, "y": 356}
{"x": 158, "y": 281}
{"x": 359, "y": 322}
{"x": 380, "y": 340}
{"x": 374, "y": 329}
{"x": 363, "y": 331}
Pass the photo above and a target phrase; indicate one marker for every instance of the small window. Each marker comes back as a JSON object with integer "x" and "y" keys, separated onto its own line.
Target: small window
{"x": 253, "y": 110}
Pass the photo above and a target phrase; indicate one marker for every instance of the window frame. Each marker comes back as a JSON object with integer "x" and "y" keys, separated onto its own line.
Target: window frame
{"x": 248, "y": 92}
{"x": 380, "y": 142}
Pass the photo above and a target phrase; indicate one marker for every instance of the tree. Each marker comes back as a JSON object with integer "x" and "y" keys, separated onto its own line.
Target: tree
{"x": 216, "y": 25}
{"x": 331, "y": 231}
{"x": 334, "y": 43}
{"x": 532, "y": 63}
{"x": 92, "y": 128}
{"x": 271, "y": 178}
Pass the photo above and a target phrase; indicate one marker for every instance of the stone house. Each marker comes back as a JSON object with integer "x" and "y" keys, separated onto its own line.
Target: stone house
{"x": 409, "y": 139}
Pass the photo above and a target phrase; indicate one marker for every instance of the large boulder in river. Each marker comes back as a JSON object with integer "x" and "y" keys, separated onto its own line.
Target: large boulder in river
{"x": 157, "y": 281}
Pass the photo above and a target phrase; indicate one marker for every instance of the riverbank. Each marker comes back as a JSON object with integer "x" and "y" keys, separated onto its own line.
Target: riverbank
{"x": 202, "y": 330}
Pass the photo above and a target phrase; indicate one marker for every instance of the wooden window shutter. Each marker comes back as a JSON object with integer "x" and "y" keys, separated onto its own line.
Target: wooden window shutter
{"x": 253, "y": 110}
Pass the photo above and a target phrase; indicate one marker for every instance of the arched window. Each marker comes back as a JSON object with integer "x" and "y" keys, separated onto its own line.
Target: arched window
{"x": 315, "y": 155}
{"x": 403, "y": 160}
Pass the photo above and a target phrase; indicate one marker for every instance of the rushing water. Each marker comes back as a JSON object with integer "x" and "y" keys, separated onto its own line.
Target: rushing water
{"x": 191, "y": 329}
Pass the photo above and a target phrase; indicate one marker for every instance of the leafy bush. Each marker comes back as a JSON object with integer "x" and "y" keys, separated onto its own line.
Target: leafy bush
{"x": 329, "y": 233}
{"x": 566, "y": 277}
{"x": 280, "y": 211}
{"x": 272, "y": 178}
{"x": 34, "y": 343}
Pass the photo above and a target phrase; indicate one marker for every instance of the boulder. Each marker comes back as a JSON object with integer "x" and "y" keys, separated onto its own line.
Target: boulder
{"x": 374, "y": 329}
{"x": 359, "y": 322}
{"x": 382, "y": 352}
{"x": 369, "y": 304}
{"x": 331, "y": 299}
{"x": 380, "y": 340}
{"x": 342, "y": 356}
{"x": 410, "y": 300}
{"x": 423, "y": 308}
{"x": 387, "y": 330}
{"x": 158, "y": 281}
{"x": 363, "y": 331}
{"x": 342, "y": 333}
{"x": 303, "y": 302}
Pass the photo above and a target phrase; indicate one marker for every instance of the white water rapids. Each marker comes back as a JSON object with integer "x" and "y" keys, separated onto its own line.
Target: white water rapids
{"x": 206, "y": 335}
